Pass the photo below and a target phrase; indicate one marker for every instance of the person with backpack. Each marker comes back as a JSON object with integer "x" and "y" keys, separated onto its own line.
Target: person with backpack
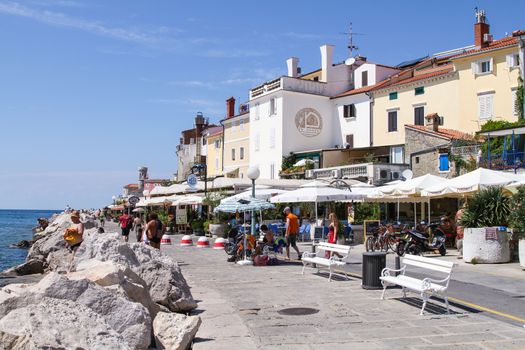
{"x": 125, "y": 225}
{"x": 154, "y": 230}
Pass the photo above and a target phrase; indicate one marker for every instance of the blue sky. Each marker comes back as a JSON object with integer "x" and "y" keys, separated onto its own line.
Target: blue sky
{"x": 92, "y": 89}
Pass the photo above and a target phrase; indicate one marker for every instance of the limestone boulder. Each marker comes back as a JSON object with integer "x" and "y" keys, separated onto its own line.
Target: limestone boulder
{"x": 115, "y": 314}
{"x": 175, "y": 331}
{"x": 30, "y": 267}
{"x": 167, "y": 285}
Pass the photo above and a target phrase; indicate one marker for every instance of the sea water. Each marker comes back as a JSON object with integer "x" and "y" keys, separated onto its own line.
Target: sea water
{"x": 16, "y": 225}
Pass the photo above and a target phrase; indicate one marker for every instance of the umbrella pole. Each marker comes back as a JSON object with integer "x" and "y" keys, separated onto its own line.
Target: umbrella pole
{"x": 428, "y": 211}
{"x": 415, "y": 214}
{"x": 397, "y": 210}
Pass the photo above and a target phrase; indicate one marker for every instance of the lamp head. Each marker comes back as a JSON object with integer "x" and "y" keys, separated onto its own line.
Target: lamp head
{"x": 114, "y": 197}
{"x": 253, "y": 172}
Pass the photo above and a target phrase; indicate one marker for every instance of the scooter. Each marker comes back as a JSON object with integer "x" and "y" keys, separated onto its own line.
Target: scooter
{"x": 418, "y": 241}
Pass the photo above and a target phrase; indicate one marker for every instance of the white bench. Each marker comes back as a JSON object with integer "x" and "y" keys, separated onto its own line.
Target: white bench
{"x": 427, "y": 287}
{"x": 318, "y": 258}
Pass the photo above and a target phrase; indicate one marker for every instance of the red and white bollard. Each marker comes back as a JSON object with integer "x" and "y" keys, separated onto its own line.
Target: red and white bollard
{"x": 203, "y": 242}
{"x": 219, "y": 243}
{"x": 186, "y": 241}
{"x": 165, "y": 240}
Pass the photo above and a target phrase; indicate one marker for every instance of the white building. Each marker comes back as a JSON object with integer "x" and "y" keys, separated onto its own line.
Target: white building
{"x": 316, "y": 111}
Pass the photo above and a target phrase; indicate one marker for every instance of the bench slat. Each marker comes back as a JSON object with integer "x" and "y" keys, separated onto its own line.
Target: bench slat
{"x": 427, "y": 265}
{"x": 429, "y": 260}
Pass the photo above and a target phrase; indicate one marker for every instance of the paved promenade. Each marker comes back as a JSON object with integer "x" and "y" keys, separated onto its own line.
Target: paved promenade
{"x": 239, "y": 306}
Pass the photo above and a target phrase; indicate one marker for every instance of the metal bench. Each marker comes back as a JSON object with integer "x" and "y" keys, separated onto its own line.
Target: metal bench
{"x": 318, "y": 258}
{"x": 427, "y": 287}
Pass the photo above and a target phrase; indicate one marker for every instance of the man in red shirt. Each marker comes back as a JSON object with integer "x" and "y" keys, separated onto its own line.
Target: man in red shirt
{"x": 125, "y": 225}
{"x": 292, "y": 229}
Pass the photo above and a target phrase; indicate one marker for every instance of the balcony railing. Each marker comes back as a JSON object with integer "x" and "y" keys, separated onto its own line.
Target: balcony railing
{"x": 290, "y": 84}
{"x": 376, "y": 173}
{"x": 504, "y": 161}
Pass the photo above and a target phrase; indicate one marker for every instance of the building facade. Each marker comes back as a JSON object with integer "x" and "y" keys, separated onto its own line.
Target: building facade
{"x": 189, "y": 150}
{"x": 214, "y": 151}
{"x": 236, "y": 128}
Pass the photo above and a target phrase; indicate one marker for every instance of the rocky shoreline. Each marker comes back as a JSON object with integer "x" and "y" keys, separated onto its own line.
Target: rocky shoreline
{"x": 119, "y": 296}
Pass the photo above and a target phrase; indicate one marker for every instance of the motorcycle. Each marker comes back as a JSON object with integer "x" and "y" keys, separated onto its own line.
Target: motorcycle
{"x": 418, "y": 241}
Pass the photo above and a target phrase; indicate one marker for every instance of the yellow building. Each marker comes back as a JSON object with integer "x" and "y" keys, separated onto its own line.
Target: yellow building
{"x": 214, "y": 151}
{"x": 465, "y": 87}
{"x": 236, "y": 141}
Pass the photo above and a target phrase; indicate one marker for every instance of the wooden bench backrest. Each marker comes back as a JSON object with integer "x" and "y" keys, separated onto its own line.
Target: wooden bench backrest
{"x": 338, "y": 248}
{"x": 428, "y": 263}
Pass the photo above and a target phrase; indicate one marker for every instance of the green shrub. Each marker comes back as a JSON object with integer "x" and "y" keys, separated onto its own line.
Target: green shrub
{"x": 517, "y": 214}
{"x": 488, "y": 208}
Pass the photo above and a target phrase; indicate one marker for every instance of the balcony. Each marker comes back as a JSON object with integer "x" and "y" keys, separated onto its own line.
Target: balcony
{"x": 375, "y": 173}
{"x": 290, "y": 84}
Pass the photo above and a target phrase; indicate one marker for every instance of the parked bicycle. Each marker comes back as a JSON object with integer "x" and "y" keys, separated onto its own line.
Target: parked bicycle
{"x": 384, "y": 239}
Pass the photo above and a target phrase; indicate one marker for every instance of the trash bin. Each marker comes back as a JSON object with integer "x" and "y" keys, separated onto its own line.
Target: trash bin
{"x": 373, "y": 264}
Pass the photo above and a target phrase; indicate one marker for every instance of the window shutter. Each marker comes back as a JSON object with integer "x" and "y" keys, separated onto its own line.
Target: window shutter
{"x": 510, "y": 59}
{"x": 481, "y": 107}
{"x": 474, "y": 66}
{"x": 488, "y": 105}
{"x": 491, "y": 65}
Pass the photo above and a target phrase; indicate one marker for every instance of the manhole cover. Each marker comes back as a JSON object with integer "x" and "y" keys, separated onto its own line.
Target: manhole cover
{"x": 298, "y": 311}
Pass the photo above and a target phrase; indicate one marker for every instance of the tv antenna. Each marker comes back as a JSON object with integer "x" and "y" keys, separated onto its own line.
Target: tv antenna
{"x": 351, "y": 46}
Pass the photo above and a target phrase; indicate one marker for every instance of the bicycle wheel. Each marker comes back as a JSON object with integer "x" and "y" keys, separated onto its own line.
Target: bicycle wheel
{"x": 391, "y": 244}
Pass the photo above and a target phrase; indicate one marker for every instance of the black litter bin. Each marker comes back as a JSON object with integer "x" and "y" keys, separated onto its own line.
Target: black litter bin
{"x": 373, "y": 264}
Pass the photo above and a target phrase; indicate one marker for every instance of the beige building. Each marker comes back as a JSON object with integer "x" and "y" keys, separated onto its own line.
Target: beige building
{"x": 214, "y": 151}
{"x": 236, "y": 141}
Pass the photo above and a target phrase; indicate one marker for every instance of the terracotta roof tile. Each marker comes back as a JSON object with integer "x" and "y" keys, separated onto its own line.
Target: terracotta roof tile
{"x": 518, "y": 32}
{"x": 448, "y": 133}
{"x": 363, "y": 89}
{"x": 446, "y": 70}
{"x": 496, "y": 44}
{"x": 216, "y": 130}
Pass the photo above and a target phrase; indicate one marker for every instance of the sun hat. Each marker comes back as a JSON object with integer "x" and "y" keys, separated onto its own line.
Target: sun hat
{"x": 75, "y": 214}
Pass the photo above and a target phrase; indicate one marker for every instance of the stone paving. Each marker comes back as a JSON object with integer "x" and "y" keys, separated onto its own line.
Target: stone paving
{"x": 239, "y": 308}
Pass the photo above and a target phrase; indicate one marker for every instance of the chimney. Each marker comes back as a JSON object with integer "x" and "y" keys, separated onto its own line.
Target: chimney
{"x": 481, "y": 30}
{"x": 230, "y": 107}
{"x": 327, "y": 52}
{"x": 292, "y": 64}
{"x": 432, "y": 122}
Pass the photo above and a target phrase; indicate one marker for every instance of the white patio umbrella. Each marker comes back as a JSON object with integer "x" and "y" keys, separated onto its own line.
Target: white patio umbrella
{"x": 264, "y": 194}
{"x": 316, "y": 192}
{"x": 304, "y": 162}
{"x": 416, "y": 185}
{"x": 513, "y": 187}
{"x": 470, "y": 183}
{"x": 188, "y": 200}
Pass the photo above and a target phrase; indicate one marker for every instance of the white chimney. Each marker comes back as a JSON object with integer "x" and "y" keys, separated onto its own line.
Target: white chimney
{"x": 327, "y": 53}
{"x": 292, "y": 63}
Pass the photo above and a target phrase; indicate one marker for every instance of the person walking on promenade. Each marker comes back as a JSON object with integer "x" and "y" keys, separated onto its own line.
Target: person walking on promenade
{"x": 74, "y": 237}
{"x": 292, "y": 230}
{"x": 333, "y": 232}
{"x": 154, "y": 230}
{"x": 460, "y": 230}
{"x": 125, "y": 226}
{"x": 137, "y": 227}
{"x": 101, "y": 218}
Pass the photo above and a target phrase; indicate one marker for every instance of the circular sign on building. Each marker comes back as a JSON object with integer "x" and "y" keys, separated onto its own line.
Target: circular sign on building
{"x": 192, "y": 180}
{"x": 309, "y": 122}
{"x": 133, "y": 200}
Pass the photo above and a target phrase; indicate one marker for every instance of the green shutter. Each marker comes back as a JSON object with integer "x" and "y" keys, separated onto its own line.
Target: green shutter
{"x": 393, "y": 96}
{"x": 419, "y": 90}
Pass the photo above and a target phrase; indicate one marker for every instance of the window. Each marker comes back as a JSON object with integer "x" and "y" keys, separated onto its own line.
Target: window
{"x": 482, "y": 66}
{"x": 485, "y": 105}
{"x": 419, "y": 90}
{"x": 273, "y": 109}
{"x": 234, "y": 125}
{"x": 419, "y": 115}
{"x": 392, "y": 121}
{"x": 417, "y": 160}
{"x": 241, "y": 124}
{"x": 217, "y": 144}
{"x": 349, "y": 111}
{"x": 216, "y": 163}
{"x": 364, "y": 78}
{"x": 204, "y": 141}
{"x": 349, "y": 141}
{"x": 241, "y": 153}
{"x": 257, "y": 111}
{"x": 515, "y": 108}
{"x": 272, "y": 171}
{"x": 396, "y": 155}
{"x": 392, "y": 96}
{"x": 272, "y": 138}
{"x": 513, "y": 60}
{"x": 444, "y": 164}
{"x": 233, "y": 153}
{"x": 257, "y": 141}
{"x": 316, "y": 79}
{"x": 192, "y": 140}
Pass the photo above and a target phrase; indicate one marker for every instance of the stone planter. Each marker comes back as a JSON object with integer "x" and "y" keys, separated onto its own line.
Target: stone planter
{"x": 218, "y": 230}
{"x": 522, "y": 252}
{"x": 476, "y": 247}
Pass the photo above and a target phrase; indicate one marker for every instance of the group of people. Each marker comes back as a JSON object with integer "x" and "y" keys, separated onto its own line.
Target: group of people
{"x": 149, "y": 233}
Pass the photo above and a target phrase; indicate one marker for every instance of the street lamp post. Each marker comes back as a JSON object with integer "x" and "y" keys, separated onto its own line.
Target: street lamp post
{"x": 253, "y": 174}
{"x": 114, "y": 199}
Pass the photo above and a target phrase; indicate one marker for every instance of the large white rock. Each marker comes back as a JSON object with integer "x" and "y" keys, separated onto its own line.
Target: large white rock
{"x": 175, "y": 331}
{"x": 119, "y": 315}
{"x": 477, "y": 248}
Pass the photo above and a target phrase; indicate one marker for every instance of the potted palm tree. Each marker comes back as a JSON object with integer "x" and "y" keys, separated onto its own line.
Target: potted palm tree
{"x": 485, "y": 220}
{"x": 517, "y": 221}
